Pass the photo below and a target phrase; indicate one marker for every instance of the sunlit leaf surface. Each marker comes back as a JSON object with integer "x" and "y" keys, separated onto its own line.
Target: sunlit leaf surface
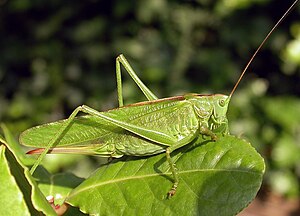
{"x": 216, "y": 178}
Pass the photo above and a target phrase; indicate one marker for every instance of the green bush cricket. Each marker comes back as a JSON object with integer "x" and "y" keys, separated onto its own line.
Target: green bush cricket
{"x": 141, "y": 129}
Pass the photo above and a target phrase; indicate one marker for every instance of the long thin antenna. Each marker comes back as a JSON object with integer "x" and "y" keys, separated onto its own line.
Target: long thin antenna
{"x": 260, "y": 46}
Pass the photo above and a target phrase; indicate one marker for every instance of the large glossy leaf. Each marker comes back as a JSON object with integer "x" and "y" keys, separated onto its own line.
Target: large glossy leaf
{"x": 216, "y": 178}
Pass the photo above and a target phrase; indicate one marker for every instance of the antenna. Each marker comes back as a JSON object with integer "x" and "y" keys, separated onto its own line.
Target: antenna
{"x": 260, "y": 46}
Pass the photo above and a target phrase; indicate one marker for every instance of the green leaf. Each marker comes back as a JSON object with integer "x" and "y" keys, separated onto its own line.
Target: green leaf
{"x": 15, "y": 147}
{"x": 57, "y": 185}
{"x": 36, "y": 203}
{"x": 11, "y": 199}
{"x": 216, "y": 178}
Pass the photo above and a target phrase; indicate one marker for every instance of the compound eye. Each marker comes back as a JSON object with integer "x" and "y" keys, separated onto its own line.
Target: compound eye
{"x": 222, "y": 102}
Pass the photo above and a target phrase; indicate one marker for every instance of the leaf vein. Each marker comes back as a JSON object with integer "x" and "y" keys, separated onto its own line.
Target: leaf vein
{"x": 93, "y": 186}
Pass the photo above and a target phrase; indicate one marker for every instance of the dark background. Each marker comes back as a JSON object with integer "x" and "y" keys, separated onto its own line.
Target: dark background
{"x": 56, "y": 55}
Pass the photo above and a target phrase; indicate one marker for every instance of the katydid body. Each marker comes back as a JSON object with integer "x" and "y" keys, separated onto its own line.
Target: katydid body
{"x": 141, "y": 129}
{"x": 160, "y": 124}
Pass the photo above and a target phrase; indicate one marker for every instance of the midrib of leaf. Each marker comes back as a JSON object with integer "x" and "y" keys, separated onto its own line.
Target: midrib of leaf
{"x": 159, "y": 174}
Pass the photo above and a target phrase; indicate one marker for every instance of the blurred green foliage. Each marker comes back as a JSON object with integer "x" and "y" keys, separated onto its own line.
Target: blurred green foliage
{"x": 56, "y": 55}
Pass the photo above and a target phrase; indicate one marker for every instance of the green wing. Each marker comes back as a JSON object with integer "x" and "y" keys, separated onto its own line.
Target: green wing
{"x": 174, "y": 117}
